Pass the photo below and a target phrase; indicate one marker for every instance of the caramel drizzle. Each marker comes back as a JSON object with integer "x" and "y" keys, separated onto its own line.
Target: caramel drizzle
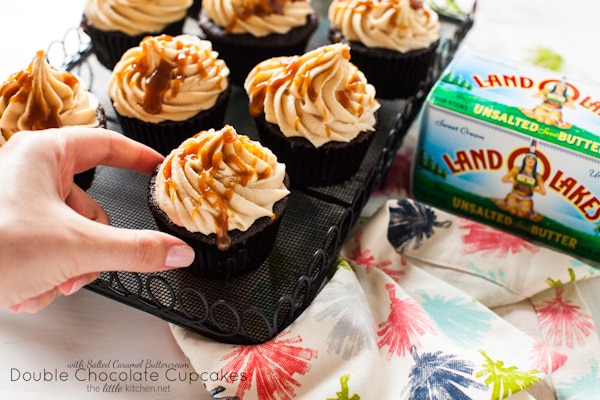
{"x": 259, "y": 8}
{"x": 168, "y": 74}
{"x": 209, "y": 150}
{"x": 26, "y": 87}
{"x": 365, "y": 6}
{"x": 288, "y": 71}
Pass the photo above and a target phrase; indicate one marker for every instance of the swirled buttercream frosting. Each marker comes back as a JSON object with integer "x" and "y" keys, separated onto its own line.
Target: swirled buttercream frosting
{"x": 41, "y": 97}
{"x": 135, "y": 17}
{"x": 218, "y": 181}
{"x": 400, "y": 25}
{"x": 258, "y": 17}
{"x": 167, "y": 78}
{"x": 319, "y": 95}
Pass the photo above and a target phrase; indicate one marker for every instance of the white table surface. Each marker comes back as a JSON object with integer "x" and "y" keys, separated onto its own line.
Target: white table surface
{"x": 78, "y": 338}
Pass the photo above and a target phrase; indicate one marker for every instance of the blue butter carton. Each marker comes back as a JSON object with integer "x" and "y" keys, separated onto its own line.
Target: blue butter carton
{"x": 516, "y": 147}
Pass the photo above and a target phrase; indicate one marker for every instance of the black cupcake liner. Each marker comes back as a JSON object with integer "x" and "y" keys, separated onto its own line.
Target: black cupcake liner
{"x": 167, "y": 135}
{"x": 394, "y": 74}
{"x": 242, "y": 52}
{"x": 249, "y": 249}
{"x": 109, "y": 46}
{"x": 194, "y": 10}
{"x": 84, "y": 179}
{"x": 307, "y": 165}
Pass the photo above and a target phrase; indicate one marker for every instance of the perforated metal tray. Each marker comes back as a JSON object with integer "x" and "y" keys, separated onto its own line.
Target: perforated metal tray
{"x": 255, "y": 307}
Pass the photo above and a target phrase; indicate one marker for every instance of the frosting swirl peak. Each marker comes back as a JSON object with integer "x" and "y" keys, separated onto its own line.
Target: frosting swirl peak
{"x": 135, "y": 17}
{"x": 257, "y": 17}
{"x": 319, "y": 95}
{"x": 218, "y": 181}
{"x": 41, "y": 97}
{"x": 167, "y": 78}
{"x": 400, "y": 25}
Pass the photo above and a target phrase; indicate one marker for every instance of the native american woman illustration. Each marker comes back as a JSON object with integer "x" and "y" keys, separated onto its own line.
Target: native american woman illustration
{"x": 525, "y": 182}
{"x": 554, "y": 98}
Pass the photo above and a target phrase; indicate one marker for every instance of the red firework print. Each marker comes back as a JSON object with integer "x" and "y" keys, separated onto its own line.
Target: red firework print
{"x": 563, "y": 322}
{"x": 489, "y": 241}
{"x": 271, "y": 365}
{"x": 405, "y": 324}
{"x": 366, "y": 259}
{"x": 546, "y": 358}
{"x": 397, "y": 180}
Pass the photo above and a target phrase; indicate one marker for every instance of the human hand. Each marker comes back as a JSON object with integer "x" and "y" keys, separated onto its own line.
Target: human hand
{"x": 55, "y": 237}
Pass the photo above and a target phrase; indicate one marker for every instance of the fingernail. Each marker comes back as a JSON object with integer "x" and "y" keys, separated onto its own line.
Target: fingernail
{"x": 75, "y": 286}
{"x": 179, "y": 256}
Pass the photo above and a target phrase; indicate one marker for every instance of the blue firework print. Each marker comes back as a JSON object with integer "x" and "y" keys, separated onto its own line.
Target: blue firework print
{"x": 221, "y": 389}
{"x": 439, "y": 376}
{"x": 411, "y": 222}
{"x": 350, "y": 335}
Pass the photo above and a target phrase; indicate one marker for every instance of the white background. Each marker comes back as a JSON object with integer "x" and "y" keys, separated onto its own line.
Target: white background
{"x": 87, "y": 326}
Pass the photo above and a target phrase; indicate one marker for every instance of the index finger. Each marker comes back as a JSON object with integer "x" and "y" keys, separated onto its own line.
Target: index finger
{"x": 98, "y": 146}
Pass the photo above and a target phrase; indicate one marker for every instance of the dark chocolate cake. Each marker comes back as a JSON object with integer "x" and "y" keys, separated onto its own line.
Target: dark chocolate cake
{"x": 307, "y": 165}
{"x": 249, "y": 249}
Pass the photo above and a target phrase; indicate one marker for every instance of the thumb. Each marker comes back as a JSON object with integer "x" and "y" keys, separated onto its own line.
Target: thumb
{"x": 120, "y": 249}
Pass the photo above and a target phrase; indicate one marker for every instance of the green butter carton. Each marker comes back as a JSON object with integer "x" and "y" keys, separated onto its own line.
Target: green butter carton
{"x": 516, "y": 147}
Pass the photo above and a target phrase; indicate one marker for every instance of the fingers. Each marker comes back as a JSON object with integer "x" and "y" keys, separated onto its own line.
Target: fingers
{"x": 38, "y": 303}
{"x": 74, "y": 284}
{"x": 79, "y": 148}
{"x": 109, "y": 248}
{"x": 84, "y": 205}
{"x": 97, "y": 146}
{"x": 148, "y": 251}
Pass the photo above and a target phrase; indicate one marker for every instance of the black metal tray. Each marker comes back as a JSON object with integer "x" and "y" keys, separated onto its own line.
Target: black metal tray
{"x": 255, "y": 307}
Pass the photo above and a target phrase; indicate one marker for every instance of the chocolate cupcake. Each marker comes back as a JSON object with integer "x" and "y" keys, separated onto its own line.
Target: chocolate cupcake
{"x": 168, "y": 89}
{"x": 43, "y": 97}
{"x": 316, "y": 112}
{"x": 194, "y": 10}
{"x": 394, "y": 43}
{"x": 329, "y": 164}
{"x": 114, "y": 27}
{"x": 224, "y": 195}
{"x": 245, "y": 33}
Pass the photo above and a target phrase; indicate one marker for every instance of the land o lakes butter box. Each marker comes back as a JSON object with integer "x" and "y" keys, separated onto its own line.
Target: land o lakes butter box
{"x": 516, "y": 147}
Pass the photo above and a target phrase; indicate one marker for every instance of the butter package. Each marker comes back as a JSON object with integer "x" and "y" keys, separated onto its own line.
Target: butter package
{"x": 516, "y": 147}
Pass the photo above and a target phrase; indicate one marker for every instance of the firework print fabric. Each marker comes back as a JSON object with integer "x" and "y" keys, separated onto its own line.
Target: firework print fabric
{"x": 427, "y": 305}
{"x": 442, "y": 309}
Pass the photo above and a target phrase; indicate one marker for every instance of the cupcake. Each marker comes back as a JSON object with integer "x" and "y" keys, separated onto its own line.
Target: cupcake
{"x": 225, "y": 195}
{"x": 117, "y": 25}
{"x": 393, "y": 42}
{"x": 169, "y": 88}
{"x": 194, "y": 10}
{"x": 42, "y": 97}
{"x": 247, "y": 32}
{"x": 316, "y": 112}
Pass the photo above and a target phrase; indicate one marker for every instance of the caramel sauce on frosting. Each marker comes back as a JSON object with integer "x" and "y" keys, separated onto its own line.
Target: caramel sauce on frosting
{"x": 135, "y": 17}
{"x": 400, "y": 25}
{"x": 42, "y": 97}
{"x": 258, "y": 17}
{"x": 167, "y": 78}
{"x": 218, "y": 181}
{"x": 319, "y": 95}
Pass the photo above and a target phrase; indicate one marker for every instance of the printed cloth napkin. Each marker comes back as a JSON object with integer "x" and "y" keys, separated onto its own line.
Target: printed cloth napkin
{"x": 443, "y": 308}
{"x": 427, "y": 305}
